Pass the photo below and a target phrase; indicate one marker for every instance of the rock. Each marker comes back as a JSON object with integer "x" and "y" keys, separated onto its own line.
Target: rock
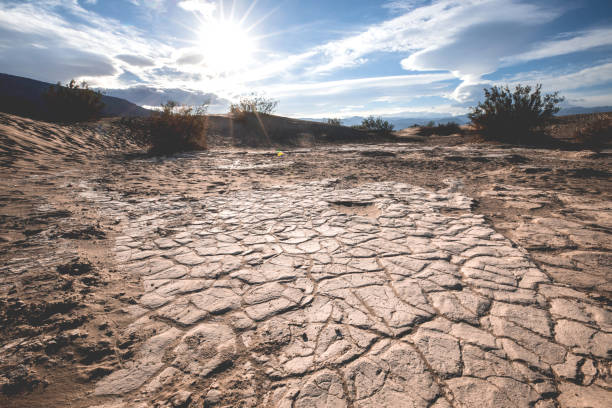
{"x": 471, "y": 334}
{"x": 500, "y": 393}
{"x": 583, "y": 339}
{"x": 575, "y": 396}
{"x": 181, "y": 399}
{"x": 321, "y": 390}
{"x": 206, "y": 348}
{"x": 213, "y": 397}
{"x": 440, "y": 350}
{"x": 135, "y": 374}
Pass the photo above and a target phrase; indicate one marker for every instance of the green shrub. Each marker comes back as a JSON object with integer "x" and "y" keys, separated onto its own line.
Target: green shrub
{"x": 177, "y": 129}
{"x": 73, "y": 102}
{"x": 334, "y": 121}
{"x": 254, "y": 104}
{"x": 446, "y": 129}
{"x": 509, "y": 116}
{"x": 372, "y": 124}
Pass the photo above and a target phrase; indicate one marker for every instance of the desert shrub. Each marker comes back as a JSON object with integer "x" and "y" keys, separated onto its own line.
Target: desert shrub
{"x": 73, "y": 102}
{"x": 596, "y": 133}
{"x": 334, "y": 122}
{"x": 509, "y": 116}
{"x": 372, "y": 124}
{"x": 254, "y": 104}
{"x": 177, "y": 129}
{"x": 441, "y": 129}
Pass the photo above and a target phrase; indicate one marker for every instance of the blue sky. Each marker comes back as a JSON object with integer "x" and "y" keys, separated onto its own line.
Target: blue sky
{"x": 319, "y": 58}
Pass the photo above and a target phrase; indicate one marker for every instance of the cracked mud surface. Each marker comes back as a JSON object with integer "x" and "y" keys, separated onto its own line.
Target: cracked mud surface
{"x": 276, "y": 297}
{"x": 393, "y": 275}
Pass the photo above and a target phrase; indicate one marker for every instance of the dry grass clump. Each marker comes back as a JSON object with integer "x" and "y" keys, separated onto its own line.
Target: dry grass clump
{"x": 441, "y": 129}
{"x": 177, "y": 129}
{"x": 73, "y": 102}
{"x": 596, "y": 133}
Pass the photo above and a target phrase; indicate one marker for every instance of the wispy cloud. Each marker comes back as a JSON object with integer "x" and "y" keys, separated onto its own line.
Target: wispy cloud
{"x": 567, "y": 81}
{"x": 156, "y": 5}
{"x": 205, "y": 8}
{"x": 425, "y": 30}
{"x": 88, "y": 45}
{"x": 345, "y": 85}
{"x": 569, "y": 84}
{"x": 404, "y": 5}
{"x": 579, "y": 41}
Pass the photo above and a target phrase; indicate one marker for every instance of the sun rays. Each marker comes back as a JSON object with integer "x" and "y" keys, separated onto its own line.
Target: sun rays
{"x": 226, "y": 41}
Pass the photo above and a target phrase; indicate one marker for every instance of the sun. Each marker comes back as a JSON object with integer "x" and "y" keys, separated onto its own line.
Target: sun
{"x": 226, "y": 45}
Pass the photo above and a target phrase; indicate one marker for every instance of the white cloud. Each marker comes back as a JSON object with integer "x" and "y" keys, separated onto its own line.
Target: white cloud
{"x": 589, "y": 100}
{"x": 136, "y": 60}
{"x": 567, "y": 83}
{"x": 346, "y": 85}
{"x": 396, "y": 111}
{"x": 432, "y": 27}
{"x": 468, "y": 38}
{"x": 42, "y": 42}
{"x": 584, "y": 78}
{"x": 403, "y": 5}
{"x": 579, "y": 42}
{"x": 155, "y": 5}
{"x": 204, "y": 7}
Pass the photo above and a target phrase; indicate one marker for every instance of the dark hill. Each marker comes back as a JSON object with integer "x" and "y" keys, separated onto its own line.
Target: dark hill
{"x": 271, "y": 130}
{"x": 23, "y": 97}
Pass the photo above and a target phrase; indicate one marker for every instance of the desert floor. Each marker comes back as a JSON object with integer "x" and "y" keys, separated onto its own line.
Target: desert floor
{"x": 418, "y": 274}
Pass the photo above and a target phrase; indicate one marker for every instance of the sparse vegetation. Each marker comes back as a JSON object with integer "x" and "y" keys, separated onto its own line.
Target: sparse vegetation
{"x": 372, "y": 124}
{"x": 73, "y": 102}
{"x": 334, "y": 121}
{"x": 254, "y": 103}
{"x": 441, "y": 129}
{"x": 178, "y": 128}
{"x": 596, "y": 133}
{"x": 512, "y": 116}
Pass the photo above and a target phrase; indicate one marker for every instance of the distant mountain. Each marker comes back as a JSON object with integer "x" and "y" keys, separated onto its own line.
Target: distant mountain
{"x": 403, "y": 122}
{"x": 579, "y": 110}
{"x": 23, "y": 97}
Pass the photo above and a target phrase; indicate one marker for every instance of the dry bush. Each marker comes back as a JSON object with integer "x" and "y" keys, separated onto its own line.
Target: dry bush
{"x": 378, "y": 125}
{"x": 73, "y": 102}
{"x": 253, "y": 104}
{"x": 596, "y": 133}
{"x": 177, "y": 129}
{"x": 334, "y": 122}
{"x": 446, "y": 129}
{"x": 511, "y": 116}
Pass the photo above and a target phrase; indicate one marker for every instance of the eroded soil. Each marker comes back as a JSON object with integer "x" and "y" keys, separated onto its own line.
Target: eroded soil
{"x": 435, "y": 274}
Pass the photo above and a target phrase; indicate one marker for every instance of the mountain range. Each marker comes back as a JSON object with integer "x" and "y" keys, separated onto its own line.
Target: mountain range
{"x": 402, "y": 122}
{"x": 24, "y": 97}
